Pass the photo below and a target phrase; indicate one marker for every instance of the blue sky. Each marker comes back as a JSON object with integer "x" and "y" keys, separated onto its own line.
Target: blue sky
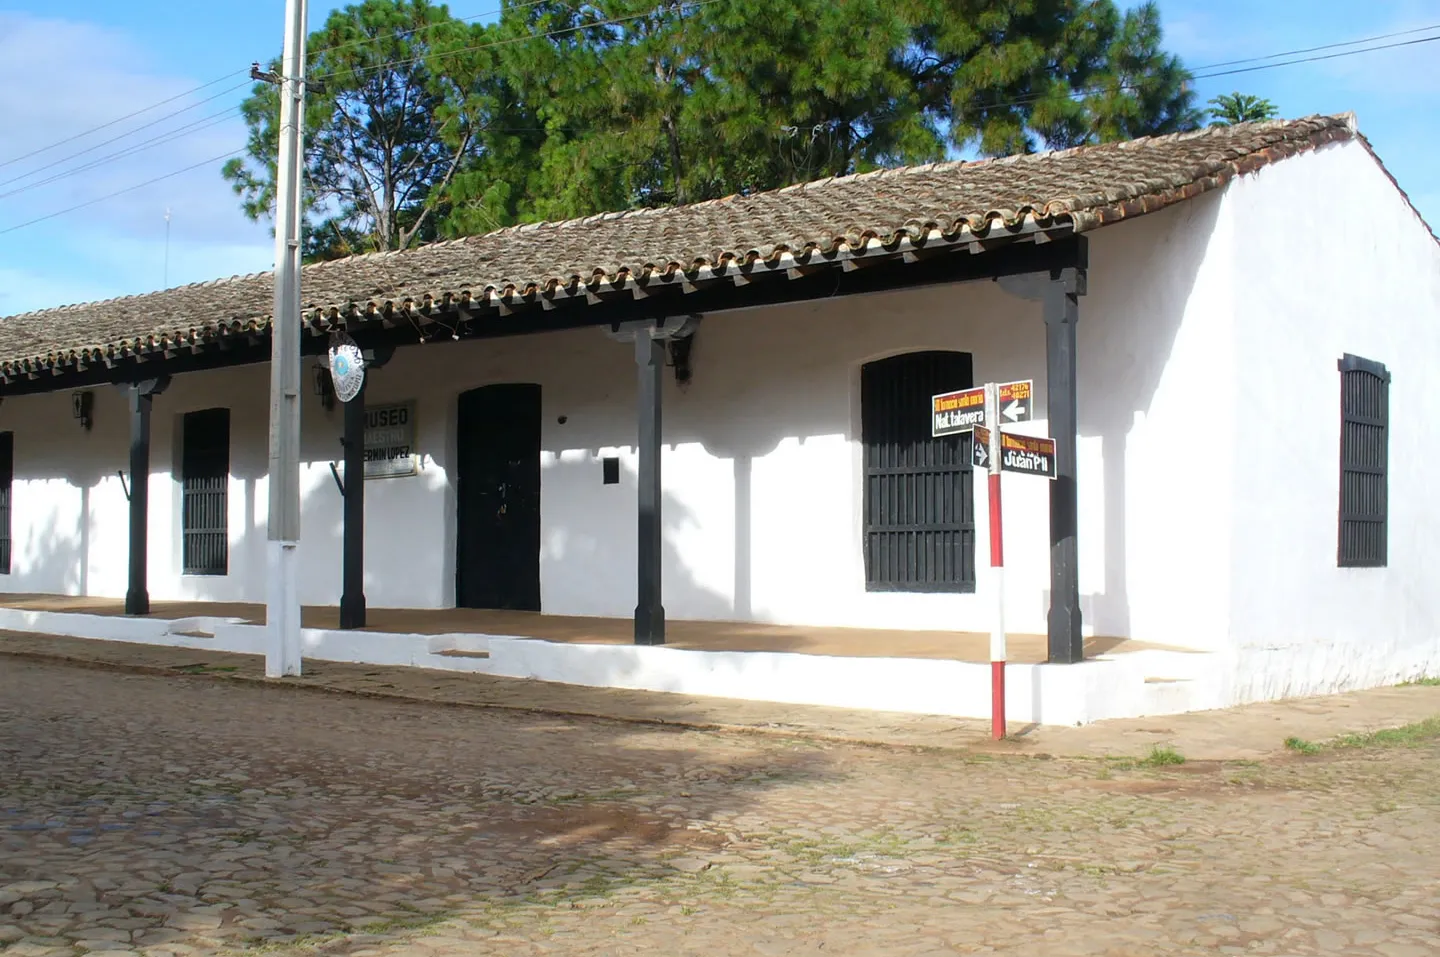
{"x": 65, "y": 68}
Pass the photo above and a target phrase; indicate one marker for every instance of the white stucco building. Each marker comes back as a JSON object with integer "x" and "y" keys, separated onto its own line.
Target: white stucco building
{"x": 1252, "y": 314}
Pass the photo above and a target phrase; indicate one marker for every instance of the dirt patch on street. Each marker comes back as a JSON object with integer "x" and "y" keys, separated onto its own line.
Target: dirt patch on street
{"x": 574, "y": 825}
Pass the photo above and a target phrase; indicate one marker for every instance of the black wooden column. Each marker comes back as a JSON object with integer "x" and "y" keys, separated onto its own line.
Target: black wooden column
{"x": 352, "y": 594}
{"x": 141, "y": 396}
{"x": 1062, "y": 311}
{"x": 649, "y": 611}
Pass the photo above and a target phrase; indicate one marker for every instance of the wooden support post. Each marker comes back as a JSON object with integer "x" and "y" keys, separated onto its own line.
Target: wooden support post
{"x": 352, "y": 595}
{"x": 141, "y": 397}
{"x": 649, "y": 610}
{"x": 1062, "y": 311}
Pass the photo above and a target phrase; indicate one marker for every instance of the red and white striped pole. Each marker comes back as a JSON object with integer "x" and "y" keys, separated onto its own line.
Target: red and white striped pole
{"x": 997, "y": 565}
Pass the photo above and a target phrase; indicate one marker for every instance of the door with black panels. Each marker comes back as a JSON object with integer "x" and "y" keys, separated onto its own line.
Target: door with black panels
{"x": 497, "y": 541}
{"x": 919, "y": 490}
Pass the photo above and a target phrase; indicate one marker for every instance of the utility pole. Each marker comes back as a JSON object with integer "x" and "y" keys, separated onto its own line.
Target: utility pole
{"x": 282, "y": 601}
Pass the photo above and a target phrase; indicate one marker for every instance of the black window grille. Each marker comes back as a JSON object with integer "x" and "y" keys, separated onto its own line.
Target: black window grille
{"x": 1364, "y": 463}
{"x": 7, "y": 479}
{"x": 919, "y": 490}
{"x": 205, "y": 476}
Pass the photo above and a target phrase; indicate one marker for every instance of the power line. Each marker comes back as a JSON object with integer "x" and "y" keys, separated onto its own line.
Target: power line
{"x": 120, "y": 192}
{"x": 1327, "y": 46}
{"x": 115, "y": 139}
{"x": 1018, "y": 102}
{"x": 189, "y": 129}
{"x": 1131, "y": 87}
{"x": 120, "y": 119}
{"x": 1314, "y": 59}
{"x": 612, "y": 21}
{"x": 320, "y": 51}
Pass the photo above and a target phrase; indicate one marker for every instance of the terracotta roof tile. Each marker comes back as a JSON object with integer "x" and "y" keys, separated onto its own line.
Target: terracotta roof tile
{"x": 1084, "y": 188}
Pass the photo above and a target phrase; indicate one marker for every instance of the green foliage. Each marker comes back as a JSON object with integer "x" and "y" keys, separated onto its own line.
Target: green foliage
{"x": 1411, "y": 735}
{"x": 400, "y": 99}
{"x": 1301, "y": 746}
{"x": 427, "y": 126}
{"x": 1160, "y": 757}
{"x": 1229, "y": 108}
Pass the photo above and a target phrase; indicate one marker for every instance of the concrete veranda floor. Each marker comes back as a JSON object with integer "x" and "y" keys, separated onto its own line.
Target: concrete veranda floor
{"x": 694, "y": 635}
{"x": 1244, "y": 733}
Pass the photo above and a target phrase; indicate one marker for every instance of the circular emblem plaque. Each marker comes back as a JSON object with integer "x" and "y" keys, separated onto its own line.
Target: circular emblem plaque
{"x": 347, "y": 367}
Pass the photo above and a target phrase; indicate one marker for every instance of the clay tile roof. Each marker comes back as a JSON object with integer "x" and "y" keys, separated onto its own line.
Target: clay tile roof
{"x": 1083, "y": 188}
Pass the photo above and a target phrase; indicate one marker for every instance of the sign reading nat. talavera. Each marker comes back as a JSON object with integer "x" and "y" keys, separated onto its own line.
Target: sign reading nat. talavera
{"x": 390, "y": 440}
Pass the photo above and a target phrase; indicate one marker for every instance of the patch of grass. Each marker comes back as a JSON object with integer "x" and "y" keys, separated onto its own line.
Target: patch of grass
{"x": 1160, "y": 757}
{"x": 1427, "y": 682}
{"x": 1301, "y": 746}
{"x": 1408, "y": 736}
{"x": 207, "y": 669}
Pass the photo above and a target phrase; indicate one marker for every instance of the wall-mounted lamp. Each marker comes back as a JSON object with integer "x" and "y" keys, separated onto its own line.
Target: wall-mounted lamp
{"x": 324, "y": 386}
{"x": 83, "y": 404}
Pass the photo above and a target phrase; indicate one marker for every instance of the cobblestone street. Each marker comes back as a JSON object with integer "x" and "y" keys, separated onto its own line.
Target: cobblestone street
{"x": 184, "y": 816}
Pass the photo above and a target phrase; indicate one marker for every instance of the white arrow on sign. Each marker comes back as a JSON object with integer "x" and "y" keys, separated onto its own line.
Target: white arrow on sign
{"x": 1014, "y": 411}
{"x": 981, "y": 458}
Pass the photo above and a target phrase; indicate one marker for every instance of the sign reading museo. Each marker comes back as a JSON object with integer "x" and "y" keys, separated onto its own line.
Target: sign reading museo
{"x": 390, "y": 440}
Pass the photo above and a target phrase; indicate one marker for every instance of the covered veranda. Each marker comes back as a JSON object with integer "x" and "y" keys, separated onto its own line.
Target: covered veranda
{"x": 690, "y": 635}
{"x": 652, "y": 311}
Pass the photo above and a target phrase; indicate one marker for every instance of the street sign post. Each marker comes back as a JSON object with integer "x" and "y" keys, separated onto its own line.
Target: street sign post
{"x": 1026, "y": 454}
{"x": 955, "y": 412}
{"x": 987, "y": 438}
{"x": 984, "y": 411}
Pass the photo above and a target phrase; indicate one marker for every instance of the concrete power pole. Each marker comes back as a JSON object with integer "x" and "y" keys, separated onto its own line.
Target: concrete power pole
{"x": 282, "y": 601}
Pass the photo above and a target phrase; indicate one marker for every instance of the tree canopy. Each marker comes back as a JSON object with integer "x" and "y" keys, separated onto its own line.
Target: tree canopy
{"x": 426, "y": 126}
{"x": 1229, "y": 108}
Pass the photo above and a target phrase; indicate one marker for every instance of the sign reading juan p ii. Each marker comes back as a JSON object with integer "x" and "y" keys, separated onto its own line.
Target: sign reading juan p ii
{"x": 1026, "y": 454}
{"x": 953, "y": 412}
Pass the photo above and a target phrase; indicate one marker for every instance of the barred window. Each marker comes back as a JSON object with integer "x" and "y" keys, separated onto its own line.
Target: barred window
{"x": 7, "y": 479}
{"x": 919, "y": 490}
{"x": 1364, "y": 463}
{"x": 205, "y": 477}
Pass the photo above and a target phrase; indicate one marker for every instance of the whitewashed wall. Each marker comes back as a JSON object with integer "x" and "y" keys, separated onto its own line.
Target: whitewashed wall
{"x": 1333, "y": 261}
{"x": 763, "y": 505}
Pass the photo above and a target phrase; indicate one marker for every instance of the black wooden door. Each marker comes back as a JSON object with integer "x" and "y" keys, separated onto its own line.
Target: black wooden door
{"x": 497, "y": 547}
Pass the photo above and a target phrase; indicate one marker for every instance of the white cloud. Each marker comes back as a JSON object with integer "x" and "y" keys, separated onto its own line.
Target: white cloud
{"x": 110, "y": 246}
{"x": 22, "y": 290}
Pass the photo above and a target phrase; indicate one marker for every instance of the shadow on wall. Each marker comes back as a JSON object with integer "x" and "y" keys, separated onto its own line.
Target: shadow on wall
{"x": 715, "y": 428}
{"x": 58, "y": 491}
{"x": 1144, "y": 273}
{"x": 607, "y": 541}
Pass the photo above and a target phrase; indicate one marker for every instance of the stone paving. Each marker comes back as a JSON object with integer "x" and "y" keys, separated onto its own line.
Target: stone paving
{"x": 179, "y": 816}
{"x": 1249, "y": 732}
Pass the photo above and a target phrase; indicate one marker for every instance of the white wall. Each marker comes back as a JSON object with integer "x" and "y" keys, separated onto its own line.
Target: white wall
{"x": 762, "y": 467}
{"x": 1333, "y": 261}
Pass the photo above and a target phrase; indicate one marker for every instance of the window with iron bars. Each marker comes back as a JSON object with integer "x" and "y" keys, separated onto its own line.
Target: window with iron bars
{"x": 919, "y": 490}
{"x": 1364, "y": 463}
{"x": 205, "y": 478}
{"x": 7, "y": 480}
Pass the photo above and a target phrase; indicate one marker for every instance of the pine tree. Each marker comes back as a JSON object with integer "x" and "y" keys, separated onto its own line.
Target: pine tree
{"x": 401, "y": 98}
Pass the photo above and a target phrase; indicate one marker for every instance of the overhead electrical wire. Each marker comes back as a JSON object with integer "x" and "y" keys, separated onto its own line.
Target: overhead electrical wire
{"x": 612, "y": 21}
{"x": 1327, "y": 46}
{"x": 121, "y": 119}
{"x": 121, "y": 192}
{"x": 189, "y": 129}
{"x": 115, "y": 139}
{"x": 1020, "y": 102}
